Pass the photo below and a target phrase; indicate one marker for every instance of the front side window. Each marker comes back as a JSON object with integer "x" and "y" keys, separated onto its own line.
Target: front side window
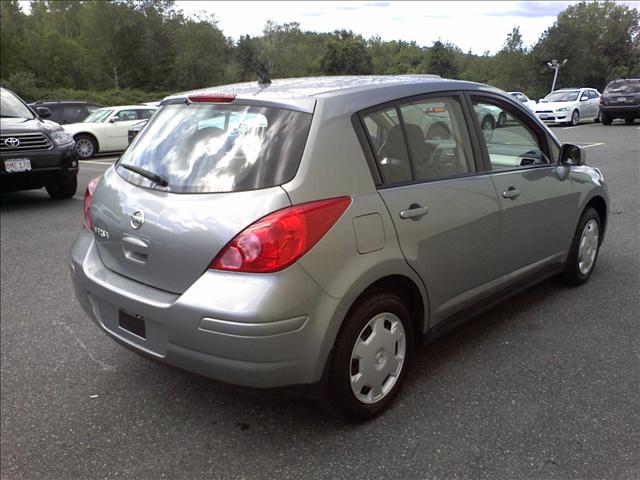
{"x": 126, "y": 116}
{"x": 514, "y": 144}
{"x": 145, "y": 114}
{"x": 422, "y": 140}
{"x": 203, "y": 148}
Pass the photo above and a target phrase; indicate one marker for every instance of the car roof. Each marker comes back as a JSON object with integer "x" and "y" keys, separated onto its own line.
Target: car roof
{"x": 131, "y": 107}
{"x": 304, "y": 91}
{"x": 85, "y": 102}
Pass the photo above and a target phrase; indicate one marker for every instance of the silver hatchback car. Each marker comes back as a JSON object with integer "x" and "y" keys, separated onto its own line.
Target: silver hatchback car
{"x": 315, "y": 231}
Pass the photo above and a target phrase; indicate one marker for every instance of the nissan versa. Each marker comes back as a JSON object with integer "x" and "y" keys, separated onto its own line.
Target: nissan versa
{"x": 316, "y": 230}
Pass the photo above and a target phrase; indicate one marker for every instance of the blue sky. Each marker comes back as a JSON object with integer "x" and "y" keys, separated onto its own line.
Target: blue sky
{"x": 475, "y": 26}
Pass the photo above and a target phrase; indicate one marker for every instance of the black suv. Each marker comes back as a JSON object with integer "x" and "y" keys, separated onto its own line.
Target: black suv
{"x": 67, "y": 111}
{"x": 34, "y": 153}
{"x": 621, "y": 99}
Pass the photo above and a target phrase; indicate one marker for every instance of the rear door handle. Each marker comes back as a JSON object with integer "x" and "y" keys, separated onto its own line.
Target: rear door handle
{"x": 511, "y": 192}
{"x": 414, "y": 211}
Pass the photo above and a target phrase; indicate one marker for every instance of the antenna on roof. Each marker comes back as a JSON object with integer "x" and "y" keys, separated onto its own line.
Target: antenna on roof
{"x": 264, "y": 79}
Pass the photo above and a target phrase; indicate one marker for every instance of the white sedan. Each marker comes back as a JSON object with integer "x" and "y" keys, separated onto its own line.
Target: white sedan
{"x": 105, "y": 130}
{"x": 522, "y": 98}
{"x": 570, "y": 106}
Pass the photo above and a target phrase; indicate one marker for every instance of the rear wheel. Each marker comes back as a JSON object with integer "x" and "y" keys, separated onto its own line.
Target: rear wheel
{"x": 575, "y": 118}
{"x": 629, "y": 120}
{"x": 64, "y": 187}
{"x": 606, "y": 118}
{"x": 598, "y": 119}
{"x": 371, "y": 356}
{"x": 584, "y": 249}
{"x": 86, "y": 146}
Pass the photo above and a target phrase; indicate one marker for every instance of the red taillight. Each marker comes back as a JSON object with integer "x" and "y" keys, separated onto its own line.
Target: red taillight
{"x": 212, "y": 97}
{"x": 276, "y": 241}
{"x": 88, "y": 198}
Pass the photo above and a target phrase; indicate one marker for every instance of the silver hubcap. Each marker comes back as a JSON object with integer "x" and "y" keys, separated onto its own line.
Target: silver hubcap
{"x": 377, "y": 358}
{"x": 574, "y": 118}
{"x": 84, "y": 147}
{"x": 588, "y": 247}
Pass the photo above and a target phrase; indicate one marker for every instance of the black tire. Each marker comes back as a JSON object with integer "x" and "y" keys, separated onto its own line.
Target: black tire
{"x": 575, "y": 118}
{"x": 65, "y": 187}
{"x": 502, "y": 120}
{"x": 598, "y": 119}
{"x": 86, "y": 146}
{"x": 629, "y": 120}
{"x": 572, "y": 274}
{"x": 339, "y": 387}
{"x": 606, "y": 118}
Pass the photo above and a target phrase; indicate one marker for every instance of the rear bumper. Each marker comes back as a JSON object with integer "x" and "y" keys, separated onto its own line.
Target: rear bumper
{"x": 621, "y": 110}
{"x": 255, "y": 331}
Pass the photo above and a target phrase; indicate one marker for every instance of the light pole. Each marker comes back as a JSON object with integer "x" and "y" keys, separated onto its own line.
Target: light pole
{"x": 555, "y": 65}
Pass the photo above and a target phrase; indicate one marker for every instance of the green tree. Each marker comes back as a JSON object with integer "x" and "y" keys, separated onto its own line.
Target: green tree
{"x": 442, "y": 59}
{"x": 346, "y": 54}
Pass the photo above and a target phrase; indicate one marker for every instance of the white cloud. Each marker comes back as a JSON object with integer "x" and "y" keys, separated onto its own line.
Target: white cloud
{"x": 475, "y": 26}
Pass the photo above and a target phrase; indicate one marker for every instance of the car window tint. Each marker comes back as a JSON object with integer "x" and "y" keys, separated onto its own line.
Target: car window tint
{"x": 389, "y": 147}
{"x": 437, "y": 138}
{"x": 512, "y": 144}
{"x": 145, "y": 114}
{"x": 126, "y": 115}
{"x": 74, "y": 113}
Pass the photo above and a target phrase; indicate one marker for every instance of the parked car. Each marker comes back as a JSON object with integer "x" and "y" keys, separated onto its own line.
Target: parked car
{"x": 522, "y": 98}
{"x": 67, "y": 111}
{"x": 135, "y": 129}
{"x": 570, "y": 106}
{"x": 621, "y": 99}
{"x": 35, "y": 152}
{"x": 314, "y": 235}
{"x": 105, "y": 130}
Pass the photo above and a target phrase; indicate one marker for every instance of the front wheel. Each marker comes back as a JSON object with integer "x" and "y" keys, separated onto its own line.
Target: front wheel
{"x": 584, "y": 249}
{"x": 86, "y": 146}
{"x": 64, "y": 187}
{"x": 502, "y": 119}
{"x": 575, "y": 118}
{"x": 371, "y": 356}
{"x": 488, "y": 125}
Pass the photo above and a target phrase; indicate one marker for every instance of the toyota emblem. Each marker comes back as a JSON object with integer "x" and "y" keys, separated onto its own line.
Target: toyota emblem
{"x": 137, "y": 219}
{"x": 12, "y": 142}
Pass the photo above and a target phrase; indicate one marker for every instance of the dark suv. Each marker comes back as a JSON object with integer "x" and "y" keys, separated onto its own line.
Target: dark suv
{"x": 67, "y": 111}
{"x": 35, "y": 153}
{"x": 621, "y": 99}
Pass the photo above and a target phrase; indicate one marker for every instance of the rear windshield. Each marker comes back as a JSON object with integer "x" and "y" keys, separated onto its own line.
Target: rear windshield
{"x": 631, "y": 85}
{"x": 200, "y": 148}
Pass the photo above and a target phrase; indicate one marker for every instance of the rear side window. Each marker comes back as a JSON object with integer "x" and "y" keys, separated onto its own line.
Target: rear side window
{"x": 201, "y": 148}
{"x": 423, "y": 140}
{"x": 630, "y": 85}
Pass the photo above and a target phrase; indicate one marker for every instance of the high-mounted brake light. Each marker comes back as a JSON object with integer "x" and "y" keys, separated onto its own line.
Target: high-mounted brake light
{"x": 276, "y": 241}
{"x": 88, "y": 199}
{"x": 212, "y": 97}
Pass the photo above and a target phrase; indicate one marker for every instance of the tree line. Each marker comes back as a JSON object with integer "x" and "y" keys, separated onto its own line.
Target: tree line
{"x": 139, "y": 50}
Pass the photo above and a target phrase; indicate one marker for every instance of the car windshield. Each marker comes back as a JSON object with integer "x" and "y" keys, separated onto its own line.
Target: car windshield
{"x": 12, "y": 107}
{"x": 98, "y": 116}
{"x": 631, "y": 85}
{"x": 563, "y": 96}
{"x": 204, "y": 148}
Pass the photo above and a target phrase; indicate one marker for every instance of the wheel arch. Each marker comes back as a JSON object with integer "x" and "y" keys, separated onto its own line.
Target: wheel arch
{"x": 405, "y": 288}
{"x": 89, "y": 134}
{"x": 600, "y": 206}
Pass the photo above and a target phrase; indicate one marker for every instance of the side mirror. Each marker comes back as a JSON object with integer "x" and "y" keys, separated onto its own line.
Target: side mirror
{"x": 113, "y": 120}
{"x": 571, "y": 155}
{"x": 584, "y": 99}
{"x": 43, "y": 112}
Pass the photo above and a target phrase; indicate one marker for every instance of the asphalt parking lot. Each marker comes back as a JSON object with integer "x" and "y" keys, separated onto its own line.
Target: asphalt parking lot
{"x": 546, "y": 385}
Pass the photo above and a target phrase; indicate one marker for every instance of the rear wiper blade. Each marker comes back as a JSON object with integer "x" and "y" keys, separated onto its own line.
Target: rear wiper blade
{"x": 154, "y": 177}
